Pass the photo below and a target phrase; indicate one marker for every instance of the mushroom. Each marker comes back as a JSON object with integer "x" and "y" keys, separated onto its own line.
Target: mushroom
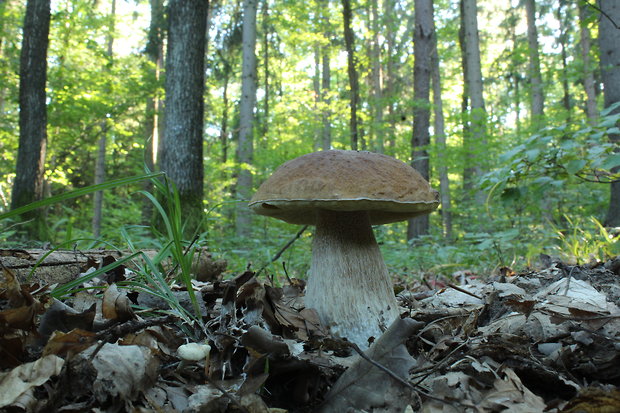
{"x": 343, "y": 193}
{"x": 192, "y": 352}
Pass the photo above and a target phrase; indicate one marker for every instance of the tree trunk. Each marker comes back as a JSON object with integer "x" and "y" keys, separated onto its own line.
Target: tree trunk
{"x": 377, "y": 79}
{"x": 154, "y": 51}
{"x": 440, "y": 140}
{"x": 182, "y": 158}
{"x": 101, "y": 146}
{"x": 475, "y": 139}
{"x": 246, "y": 118}
{"x": 265, "y": 25}
{"x": 564, "y": 21}
{"x": 609, "y": 45}
{"x": 352, "y": 70}
{"x": 537, "y": 97}
{"x": 326, "y": 114}
{"x": 390, "y": 40}
{"x": 29, "y": 169}
{"x": 588, "y": 75}
{"x": 326, "y": 100}
{"x": 422, "y": 49}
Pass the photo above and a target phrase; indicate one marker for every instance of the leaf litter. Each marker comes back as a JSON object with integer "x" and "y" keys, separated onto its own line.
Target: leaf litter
{"x": 546, "y": 340}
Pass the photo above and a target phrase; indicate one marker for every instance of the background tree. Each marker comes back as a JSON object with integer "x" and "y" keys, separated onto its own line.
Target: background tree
{"x": 423, "y": 38}
{"x": 182, "y": 158}
{"x": 154, "y": 52}
{"x": 536, "y": 87}
{"x": 585, "y": 44}
{"x": 475, "y": 135}
{"x": 247, "y": 103}
{"x": 349, "y": 41}
{"x": 29, "y": 170}
{"x": 609, "y": 45}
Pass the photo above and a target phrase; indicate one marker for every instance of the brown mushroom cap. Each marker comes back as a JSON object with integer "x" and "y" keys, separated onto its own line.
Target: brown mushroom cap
{"x": 339, "y": 180}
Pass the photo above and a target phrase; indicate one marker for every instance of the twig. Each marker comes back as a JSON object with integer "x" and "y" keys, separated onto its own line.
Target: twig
{"x": 595, "y": 7}
{"x": 464, "y": 291}
{"x": 284, "y": 248}
{"x": 230, "y": 397}
{"x": 415, "y": 388}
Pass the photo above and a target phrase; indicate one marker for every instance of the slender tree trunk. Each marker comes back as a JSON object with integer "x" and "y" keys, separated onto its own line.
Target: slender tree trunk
{"x": 246, "y": 117}
{"x": 325, "y": 49}
{"x": 422, "y": 50}
{"x": 563, "y": 19}
{"x": 224, "y": 133}
{"x": 352, "y": 70}
{"x": 475, "y": 138}
{"x": 152, "y": 130}
{"x": 316, "y": 85}
{"x": 390, "y": 40}
{"x": 265, "y": 25}
{"x": 588, "y": 75}
{"x": 537, "y": 97}
{"x": 377, "y": 79}
{"x": 101, "y": 146}
{"x": 182, "y": 158}
{"x": 30, "y": 166}
{"x": 609, "y": 45}
{"x": 440, "y": 140}
{"x": 325, "y": 90}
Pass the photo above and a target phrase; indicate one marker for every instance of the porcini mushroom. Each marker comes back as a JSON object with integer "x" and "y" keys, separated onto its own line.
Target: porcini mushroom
{"x": 343, "y": 193}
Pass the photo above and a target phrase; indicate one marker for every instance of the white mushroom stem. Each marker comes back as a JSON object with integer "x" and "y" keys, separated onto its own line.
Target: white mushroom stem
{"x": 349, "y": 284}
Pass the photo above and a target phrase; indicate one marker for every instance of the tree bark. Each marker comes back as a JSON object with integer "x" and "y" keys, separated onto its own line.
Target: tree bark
{"x": 440, "y": 140}
{"x": 349, "y": 40}
{"x": 588, "y": 75}
{"x": 475, "y": 138}
{"x": 422, "y": 49}
{"x": 377, "y": 79}
{"x": 537, "y": 97}
{"x": 30, "y": 166}
{"x": 154, "y": 51}
{"x": 326, "y": 100}
{"x": 247, "y": 103}
{"x": 562, "y": 14}
{"x": 182, "y": 158}
{"x": 609, "y": 45}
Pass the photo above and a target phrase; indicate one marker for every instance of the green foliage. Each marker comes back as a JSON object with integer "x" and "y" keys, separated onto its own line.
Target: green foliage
{"x": 537, "y": 182}
{"x": 587, "y": 241}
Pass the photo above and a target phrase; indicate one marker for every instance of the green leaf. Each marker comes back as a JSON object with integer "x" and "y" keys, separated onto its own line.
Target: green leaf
{"x": 611, "y": 162}
{"x": 574, "y": 166}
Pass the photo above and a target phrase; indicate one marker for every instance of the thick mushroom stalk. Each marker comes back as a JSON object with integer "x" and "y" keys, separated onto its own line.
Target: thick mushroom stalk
{"x": 349, "y": 284}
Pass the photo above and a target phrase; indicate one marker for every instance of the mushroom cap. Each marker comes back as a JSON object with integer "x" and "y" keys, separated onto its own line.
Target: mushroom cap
{"x": 193, "y": 351}
{"x": 340, "y": 180}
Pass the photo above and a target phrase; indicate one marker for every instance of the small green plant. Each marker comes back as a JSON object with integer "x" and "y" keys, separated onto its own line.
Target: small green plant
{"x": 583, "y": 242}
{"x": 152, "y": 276}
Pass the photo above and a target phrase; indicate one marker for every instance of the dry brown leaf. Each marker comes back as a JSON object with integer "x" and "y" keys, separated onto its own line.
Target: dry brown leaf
{"x": 72, "y": 342}
{"x": 116, "y": 305}
{"x": 365, "y": 387}
{"x": 24, "y": 378}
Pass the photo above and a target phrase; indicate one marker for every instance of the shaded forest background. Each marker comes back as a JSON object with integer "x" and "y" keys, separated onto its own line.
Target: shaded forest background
{"x": 508, "y": 119}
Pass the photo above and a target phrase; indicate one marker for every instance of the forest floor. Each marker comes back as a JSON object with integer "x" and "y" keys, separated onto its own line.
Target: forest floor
{"x": 541, "y": 340}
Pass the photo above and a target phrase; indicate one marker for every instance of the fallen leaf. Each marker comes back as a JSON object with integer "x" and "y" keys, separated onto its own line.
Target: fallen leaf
{"x": 26, "y": 377}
